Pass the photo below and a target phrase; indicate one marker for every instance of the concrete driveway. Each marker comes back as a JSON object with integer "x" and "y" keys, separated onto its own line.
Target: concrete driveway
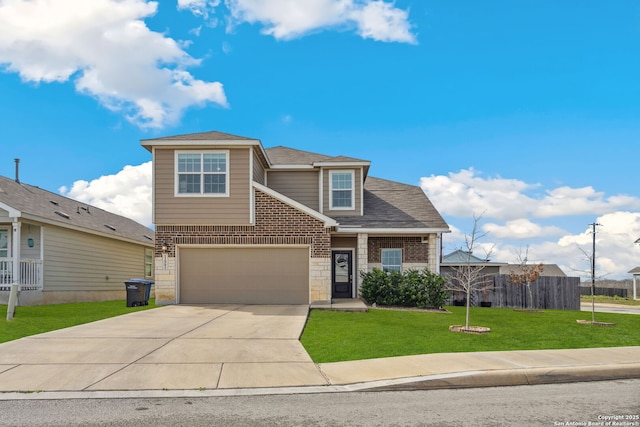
{"x": 172, "y": 347}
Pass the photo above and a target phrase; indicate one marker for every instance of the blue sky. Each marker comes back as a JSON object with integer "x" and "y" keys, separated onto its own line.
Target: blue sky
{"x": 525, "y": 111}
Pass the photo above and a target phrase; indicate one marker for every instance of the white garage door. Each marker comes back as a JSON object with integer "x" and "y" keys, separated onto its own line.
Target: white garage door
{"x": 272, "y": 275}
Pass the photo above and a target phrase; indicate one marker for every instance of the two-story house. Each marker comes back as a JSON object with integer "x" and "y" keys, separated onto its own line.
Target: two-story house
{"x": 238, "y": 223}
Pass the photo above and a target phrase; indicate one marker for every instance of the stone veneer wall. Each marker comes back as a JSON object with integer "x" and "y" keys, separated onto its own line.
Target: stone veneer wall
{"x": 276, "y": 223}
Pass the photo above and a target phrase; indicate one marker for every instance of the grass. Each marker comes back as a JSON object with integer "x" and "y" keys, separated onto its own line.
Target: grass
{"x": 332, "y": 336}
{"x": 34, "y": 320}
{"x": 610, "y": 300}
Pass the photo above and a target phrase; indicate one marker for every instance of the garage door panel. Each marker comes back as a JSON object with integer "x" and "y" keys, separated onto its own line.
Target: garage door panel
{"x": 244, "y": 275}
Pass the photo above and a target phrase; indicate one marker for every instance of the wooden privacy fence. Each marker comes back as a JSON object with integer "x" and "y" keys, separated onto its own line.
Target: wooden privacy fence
{"x": 552, "y": 293}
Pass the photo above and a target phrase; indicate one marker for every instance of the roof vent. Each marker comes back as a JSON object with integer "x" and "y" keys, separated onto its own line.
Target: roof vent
{"x": 62, "y": 214}
{"x": 53, "y": 202}
{"x": 110, "y": 227}
{"x": 148, "y": 237}
{"x": 17, "y": 170}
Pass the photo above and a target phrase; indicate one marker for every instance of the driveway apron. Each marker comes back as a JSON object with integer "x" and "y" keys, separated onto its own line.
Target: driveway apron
{"x": 172, "y": 347}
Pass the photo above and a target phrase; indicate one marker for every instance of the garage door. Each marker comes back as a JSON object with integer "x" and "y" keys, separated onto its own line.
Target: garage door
{"x": 244, "y": 275}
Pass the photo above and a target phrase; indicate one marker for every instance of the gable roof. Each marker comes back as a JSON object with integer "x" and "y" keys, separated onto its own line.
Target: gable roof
{"x": 390, "y": 204}
{"x": 290, "y": 156}
{"x": 212, "y": 138}
{"x": 460, "y": 257}
{"x": 30, "y": 202}
{"x": 203, "y": 136}
{"x": 548, "y": 270}
{"x": 635, "y": 270}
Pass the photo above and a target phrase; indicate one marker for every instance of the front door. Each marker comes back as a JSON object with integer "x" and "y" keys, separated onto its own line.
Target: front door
{"x": 341, "y": 277}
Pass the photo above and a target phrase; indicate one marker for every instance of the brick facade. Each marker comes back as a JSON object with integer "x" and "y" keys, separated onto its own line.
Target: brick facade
{"x": 413, "y": 250}
{"x": 276, "y": 223}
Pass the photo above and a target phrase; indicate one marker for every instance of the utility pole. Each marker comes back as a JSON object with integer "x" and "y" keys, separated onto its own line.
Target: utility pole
{"x": 593, "y": 273}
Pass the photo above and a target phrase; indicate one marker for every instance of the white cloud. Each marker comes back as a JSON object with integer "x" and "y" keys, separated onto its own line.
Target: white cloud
{"x": 289, "y": 19}
{"x": 203, "y": 8}
{"x": 464, "y": 193}
{"x": 383, "y": 22}
{"x": 127, "y": 193}
{"x": 521, "y": 229}
{"x": 105, "y": 47}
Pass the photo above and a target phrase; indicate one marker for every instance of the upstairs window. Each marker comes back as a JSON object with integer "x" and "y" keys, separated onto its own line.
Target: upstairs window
{"x": 341, "y": 188}
{"x": 391, "y": 259}
{"x": 202, "y": 173}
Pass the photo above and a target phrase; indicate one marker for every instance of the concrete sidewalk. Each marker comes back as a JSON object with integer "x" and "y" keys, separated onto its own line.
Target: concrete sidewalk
{"x": 230, "y": 350}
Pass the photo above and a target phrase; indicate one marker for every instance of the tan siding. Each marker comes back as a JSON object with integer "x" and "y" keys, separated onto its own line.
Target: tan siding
{"x": 301, "y": 186}
{"x": 326, "y": 190}
{"x": 76, "y": 261}
{"x": 234, "y": 209}
{"x": 33, "y": 232}
{"x": 258, "y": 168}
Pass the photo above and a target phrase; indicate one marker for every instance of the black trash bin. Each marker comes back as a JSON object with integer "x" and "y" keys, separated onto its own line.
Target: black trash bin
{"x": 138, "y": 291}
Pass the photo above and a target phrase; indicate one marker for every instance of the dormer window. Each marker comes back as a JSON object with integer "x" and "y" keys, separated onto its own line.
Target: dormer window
{"x": 341, "y": 189}
{"x": 202, "y": 173}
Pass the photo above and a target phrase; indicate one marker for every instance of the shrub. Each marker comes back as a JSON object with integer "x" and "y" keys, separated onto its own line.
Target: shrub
{"x": 412, "y": 288}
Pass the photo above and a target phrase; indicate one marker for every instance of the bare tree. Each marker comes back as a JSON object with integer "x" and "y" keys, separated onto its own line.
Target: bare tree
{"x": 526, "y": 274}
{"x": 470, "y": 277}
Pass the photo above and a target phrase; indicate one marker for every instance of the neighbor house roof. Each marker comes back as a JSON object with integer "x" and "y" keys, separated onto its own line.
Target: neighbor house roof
{"x": 30, "y": 202}
{"x": 390, "y": 204}
{"x": 550, "y": 270}
{"x": 460, "y": 257}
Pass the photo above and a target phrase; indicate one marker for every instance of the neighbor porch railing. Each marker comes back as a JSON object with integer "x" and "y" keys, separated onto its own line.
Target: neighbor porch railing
{"x": 30, "y": 273}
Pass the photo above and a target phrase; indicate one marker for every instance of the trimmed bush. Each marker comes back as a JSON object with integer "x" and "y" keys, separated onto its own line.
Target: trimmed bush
{"x": 412, "y": 288}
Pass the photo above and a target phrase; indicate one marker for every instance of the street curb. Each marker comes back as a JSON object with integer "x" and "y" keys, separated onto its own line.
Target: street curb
{"x": 514, "y": 377}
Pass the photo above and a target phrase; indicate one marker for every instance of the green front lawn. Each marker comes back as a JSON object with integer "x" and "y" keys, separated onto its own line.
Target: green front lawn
{"x": 44, "y": 318}
{"x": 332, "y": 336}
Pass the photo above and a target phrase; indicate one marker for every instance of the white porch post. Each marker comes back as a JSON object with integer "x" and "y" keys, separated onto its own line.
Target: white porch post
{"x": 15, "y": 248}
{"x": 635, "y": 294}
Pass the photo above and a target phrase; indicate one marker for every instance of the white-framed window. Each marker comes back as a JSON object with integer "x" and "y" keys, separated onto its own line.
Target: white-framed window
{"x": 5, "y": 244}
{"x": 341, "y": 190}
{"x": 148, "y": 262}
{"x": 202, "y": 173}
{"x": 391, "y": 259}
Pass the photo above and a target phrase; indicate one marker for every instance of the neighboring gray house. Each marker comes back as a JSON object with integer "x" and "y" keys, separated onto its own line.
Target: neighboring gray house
{"x": 238, "y": 223}
{"x": 460, "y": 258}
{"x": 60, "y": 250}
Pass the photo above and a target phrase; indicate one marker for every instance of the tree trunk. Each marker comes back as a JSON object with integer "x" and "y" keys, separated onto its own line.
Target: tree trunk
{"x": 530, "y": 294}
{"x": 468, "y": 305}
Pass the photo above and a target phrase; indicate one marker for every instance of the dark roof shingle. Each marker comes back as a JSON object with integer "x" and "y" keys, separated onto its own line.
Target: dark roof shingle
{"x": 390, "y": 204}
